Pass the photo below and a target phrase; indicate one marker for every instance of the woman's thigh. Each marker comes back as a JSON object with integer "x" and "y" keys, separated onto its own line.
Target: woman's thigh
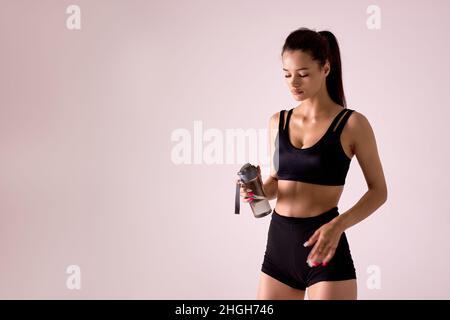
{"x": 333, "y": 290}
{"x": 272, "y": 289}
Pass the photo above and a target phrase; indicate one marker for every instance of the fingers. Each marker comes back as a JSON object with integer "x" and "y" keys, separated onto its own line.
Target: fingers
{"x": 312, "y": 239}
{"x": 315, "y": 252}
{"x": 328, "y": 257}
{"x": 246, "y": 194}
{"x": 324, "y": 248}
{"x": 322, "y": 254}
{"x": 319, "y": 253}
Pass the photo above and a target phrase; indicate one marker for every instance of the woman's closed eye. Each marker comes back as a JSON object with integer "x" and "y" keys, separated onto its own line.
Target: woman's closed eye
{"x": 287, "y": 76}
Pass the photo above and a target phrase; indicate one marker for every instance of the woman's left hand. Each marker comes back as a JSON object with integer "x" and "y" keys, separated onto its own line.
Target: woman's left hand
{"x": 326, "y": 240}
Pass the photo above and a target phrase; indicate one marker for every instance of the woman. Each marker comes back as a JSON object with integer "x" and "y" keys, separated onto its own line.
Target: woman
{"x": 311, "y": 149}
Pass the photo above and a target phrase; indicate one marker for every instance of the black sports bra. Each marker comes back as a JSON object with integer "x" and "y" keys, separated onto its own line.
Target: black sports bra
{"x": 323, "y": 163}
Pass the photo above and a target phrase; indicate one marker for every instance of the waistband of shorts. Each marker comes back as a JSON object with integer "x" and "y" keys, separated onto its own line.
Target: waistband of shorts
{"x": 322, "y": 217}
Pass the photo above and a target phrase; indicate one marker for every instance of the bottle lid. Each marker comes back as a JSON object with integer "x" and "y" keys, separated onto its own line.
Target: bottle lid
{"x": 248, "y": 172}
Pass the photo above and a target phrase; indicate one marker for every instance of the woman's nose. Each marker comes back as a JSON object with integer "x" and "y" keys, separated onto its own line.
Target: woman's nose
{"x": 295, "y": 80}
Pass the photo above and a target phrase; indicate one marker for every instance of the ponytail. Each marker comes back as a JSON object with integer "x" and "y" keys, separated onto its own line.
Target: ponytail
{"x": 334, "y": 78}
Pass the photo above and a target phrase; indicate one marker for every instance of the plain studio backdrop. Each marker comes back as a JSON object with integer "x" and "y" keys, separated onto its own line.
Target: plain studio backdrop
{"x": 120, "y": 124}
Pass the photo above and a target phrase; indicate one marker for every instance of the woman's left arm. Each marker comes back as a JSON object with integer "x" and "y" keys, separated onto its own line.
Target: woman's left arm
{"x": 365, "y": 150}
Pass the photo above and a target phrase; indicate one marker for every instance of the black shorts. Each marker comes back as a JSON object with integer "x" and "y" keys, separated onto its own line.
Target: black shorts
{"x": 285, "y": 256}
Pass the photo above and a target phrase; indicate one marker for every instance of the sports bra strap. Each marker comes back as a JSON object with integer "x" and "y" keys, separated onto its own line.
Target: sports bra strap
{"x": 336, "y": 119}
{"x": 331, "y": 129}
{"x": 288, "y": 117}
{"x": 342, "y": 122}
{"x": 281, "y": 121}
{"x": 281, "y": 126}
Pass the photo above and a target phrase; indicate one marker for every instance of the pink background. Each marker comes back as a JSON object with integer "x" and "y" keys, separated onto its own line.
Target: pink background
{"x": 86, "y": 118}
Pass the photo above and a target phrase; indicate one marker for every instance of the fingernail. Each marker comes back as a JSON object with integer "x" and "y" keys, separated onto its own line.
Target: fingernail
{"x": 251, "y": 193}
{"x": 324, "y": 264}
{"x": 315, "y": 264}
{"x": 305, "y": 244}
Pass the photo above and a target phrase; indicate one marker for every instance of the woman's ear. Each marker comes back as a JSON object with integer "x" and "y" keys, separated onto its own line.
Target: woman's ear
{"x": 327, "y": 68}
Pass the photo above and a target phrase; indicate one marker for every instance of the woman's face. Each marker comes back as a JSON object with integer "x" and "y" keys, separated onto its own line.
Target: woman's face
{"x": 303, "y": 75}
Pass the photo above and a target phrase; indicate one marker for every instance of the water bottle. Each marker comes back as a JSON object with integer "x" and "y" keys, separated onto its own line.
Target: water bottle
{"x": 250, "y": 178}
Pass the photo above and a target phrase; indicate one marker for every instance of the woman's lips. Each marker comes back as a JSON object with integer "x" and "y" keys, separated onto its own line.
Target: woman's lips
{"x": 297, "y": 91}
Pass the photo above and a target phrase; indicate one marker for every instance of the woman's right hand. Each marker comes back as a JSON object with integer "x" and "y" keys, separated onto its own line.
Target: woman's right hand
{"x": 246, "y": 193}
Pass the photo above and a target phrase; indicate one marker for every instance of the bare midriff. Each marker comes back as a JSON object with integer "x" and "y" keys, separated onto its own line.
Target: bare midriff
{"x": 300, "y": 199}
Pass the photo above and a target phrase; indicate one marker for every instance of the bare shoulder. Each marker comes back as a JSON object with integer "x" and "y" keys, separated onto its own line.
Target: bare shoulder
{"x": 274, "y": 120}
{"x": 358, "y": 123}
{"x": 359, "y": 129}
{"x": 276, "y": 116}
